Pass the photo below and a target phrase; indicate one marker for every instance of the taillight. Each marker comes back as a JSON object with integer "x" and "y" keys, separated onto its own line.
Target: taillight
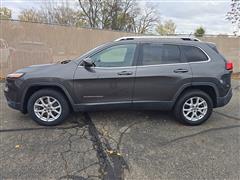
{"x": 229, "y": 65}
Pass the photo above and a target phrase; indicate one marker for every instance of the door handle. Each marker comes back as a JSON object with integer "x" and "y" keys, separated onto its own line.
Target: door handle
{"x": 180, "y": 70}
{"x": 125, "y": 73}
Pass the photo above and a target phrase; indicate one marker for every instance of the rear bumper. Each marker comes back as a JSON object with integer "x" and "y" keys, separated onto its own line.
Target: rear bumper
{"x": 222, "y": 101}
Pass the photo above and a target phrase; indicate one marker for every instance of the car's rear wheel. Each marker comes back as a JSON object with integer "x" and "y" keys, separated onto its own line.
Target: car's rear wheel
{"x": 48, "y": 107}
{"x": 193, "y": 107}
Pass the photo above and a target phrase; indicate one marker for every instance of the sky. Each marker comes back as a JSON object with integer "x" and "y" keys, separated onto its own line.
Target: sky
{"x": 187, "y": 14}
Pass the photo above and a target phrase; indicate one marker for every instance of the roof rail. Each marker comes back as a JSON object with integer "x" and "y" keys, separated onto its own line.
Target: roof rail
{"x": 157, "y": 37}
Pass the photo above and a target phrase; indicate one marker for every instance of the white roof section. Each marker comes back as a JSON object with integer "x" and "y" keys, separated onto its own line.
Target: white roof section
{"x": 158, "y": 37}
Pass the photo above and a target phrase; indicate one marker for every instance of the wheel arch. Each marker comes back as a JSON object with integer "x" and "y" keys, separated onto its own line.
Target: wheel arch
{"x": 30, "y": 90}
{"x": 208, "y": 88}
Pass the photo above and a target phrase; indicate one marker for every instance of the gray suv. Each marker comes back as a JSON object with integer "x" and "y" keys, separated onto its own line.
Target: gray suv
{"x": 185, "y": 75}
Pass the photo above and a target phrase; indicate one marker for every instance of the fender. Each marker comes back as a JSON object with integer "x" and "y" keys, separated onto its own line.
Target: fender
{"x": 187, "y": 85}
{"x": 42, "y": 84}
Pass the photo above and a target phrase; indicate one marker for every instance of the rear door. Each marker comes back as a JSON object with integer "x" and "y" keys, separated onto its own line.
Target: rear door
{"x": 160, "y": 74}
{"x": 111, "y": 81}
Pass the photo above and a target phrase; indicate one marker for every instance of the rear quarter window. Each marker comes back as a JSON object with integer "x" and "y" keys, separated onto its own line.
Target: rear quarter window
{"x": 193, "y": 54}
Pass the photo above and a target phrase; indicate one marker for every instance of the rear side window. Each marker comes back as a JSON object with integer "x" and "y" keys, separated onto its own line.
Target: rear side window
{"x": 153, "y": 54}
{"x": 193, "y": 54}
{"x": 171, "y": 54}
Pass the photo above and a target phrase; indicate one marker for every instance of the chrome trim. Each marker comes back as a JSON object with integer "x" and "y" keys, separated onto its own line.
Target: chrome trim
{"x": 112, "y": 67}
{"x": 123, "y": 67}
{"x": 93, "y": 96}
{"x": 155, "y": 65}
{"x": 209, "y": 59}
{"x": 104, "y": 103}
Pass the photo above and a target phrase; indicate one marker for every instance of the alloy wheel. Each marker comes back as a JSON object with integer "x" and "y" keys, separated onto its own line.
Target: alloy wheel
{"x": 195, "y": 108}
{"x": 47, "y": 108}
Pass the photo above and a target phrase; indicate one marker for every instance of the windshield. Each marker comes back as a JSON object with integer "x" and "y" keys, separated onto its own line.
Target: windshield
{"x": 91, "y": 51}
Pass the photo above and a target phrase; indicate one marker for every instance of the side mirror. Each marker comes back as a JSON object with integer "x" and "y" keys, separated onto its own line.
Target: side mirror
{"x": 88, "y": 62}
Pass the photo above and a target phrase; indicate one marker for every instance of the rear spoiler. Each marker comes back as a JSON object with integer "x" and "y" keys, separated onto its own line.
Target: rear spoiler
{"x": 213, "y": 46}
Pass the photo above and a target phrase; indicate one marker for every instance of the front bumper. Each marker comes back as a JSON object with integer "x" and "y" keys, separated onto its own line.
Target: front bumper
{"x": 14, "y": 105}
{"x": 12, "y": 96}
{"x": 222, "y": 101}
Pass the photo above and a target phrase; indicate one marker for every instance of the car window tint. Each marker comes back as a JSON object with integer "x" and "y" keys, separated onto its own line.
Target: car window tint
{"x": 160, "y": 54}
{"x": 152, "y": 54}
{"x": 171, "y": 55}
{"x": 116, "y": 56}
{"x": 193, "y": 54}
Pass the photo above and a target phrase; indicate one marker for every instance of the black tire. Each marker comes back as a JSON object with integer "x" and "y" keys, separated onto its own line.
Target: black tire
{"x": 178, "y": 109}
{"x": 52, "y": 93}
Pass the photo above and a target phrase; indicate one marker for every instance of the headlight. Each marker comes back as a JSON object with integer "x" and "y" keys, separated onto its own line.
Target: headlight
{"x": 15, "y": 75}
{"x": 6, "y": 88}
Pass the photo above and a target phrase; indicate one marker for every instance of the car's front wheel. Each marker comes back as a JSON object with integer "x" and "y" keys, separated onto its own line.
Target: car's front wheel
{"x": 48, "y": 107}
{"x": 193, "y": 107}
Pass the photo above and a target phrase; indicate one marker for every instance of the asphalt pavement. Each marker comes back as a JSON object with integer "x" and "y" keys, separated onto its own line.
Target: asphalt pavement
{"x": 121, "y": 145}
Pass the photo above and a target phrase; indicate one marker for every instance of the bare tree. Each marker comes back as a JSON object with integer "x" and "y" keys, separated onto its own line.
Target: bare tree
{"x": 234, "y": 15}
{"x": 53, "y": 13}
{"x": 122, "y": 15}
{"x": 146, "y": 21}
{"x": 91, "y": 9}
{"x": 106, "y": 14}
{"x": 5, "y": 13}
{"x": 166, "y": 28}
{"x": 31, "y": 15}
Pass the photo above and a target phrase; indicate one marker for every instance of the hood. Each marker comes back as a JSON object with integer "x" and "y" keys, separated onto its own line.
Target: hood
{"x": 34, "y": 68}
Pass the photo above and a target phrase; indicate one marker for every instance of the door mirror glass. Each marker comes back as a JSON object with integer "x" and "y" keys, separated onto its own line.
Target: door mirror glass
{"x": 88, "y": 62}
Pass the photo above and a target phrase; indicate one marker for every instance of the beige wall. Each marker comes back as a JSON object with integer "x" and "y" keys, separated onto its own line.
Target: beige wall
{"x": 229, "y": 47}
{"x": 32, "y": 43}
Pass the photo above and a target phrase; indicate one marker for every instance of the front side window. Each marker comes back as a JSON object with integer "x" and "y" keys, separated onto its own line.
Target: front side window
{"x": 193, "y": 54}
{"x": 116, "y": 56}
{"x": 154, "y": 54}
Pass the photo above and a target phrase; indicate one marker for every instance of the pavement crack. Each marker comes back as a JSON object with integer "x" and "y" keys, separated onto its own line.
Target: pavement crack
{"x": 111, "y": 166}
{"x": 65, "y": 163}
{"x": 228, "y": 116}
{"x": 86, "y": 167}
{"x": 124, "y": 132}
{"x": 237, "y": 87}
{"x": 198, "y": 133}
{"x": 39, "y": 128}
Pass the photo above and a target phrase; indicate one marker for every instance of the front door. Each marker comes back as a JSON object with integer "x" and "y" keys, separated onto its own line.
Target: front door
{"x": 111, "y": 80}
{"x": 159, "y": 75}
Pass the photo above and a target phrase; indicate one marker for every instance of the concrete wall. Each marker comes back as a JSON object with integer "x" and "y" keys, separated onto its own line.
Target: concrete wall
{"x": 33, "y": 43}
{"x": 229, "y": 47}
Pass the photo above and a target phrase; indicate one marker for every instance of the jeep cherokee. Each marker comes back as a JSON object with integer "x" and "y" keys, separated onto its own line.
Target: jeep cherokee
{"x": 185, "y": 75}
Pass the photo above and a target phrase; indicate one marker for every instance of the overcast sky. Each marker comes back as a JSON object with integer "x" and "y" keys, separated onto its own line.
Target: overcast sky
{"x": 187, "y": 14}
